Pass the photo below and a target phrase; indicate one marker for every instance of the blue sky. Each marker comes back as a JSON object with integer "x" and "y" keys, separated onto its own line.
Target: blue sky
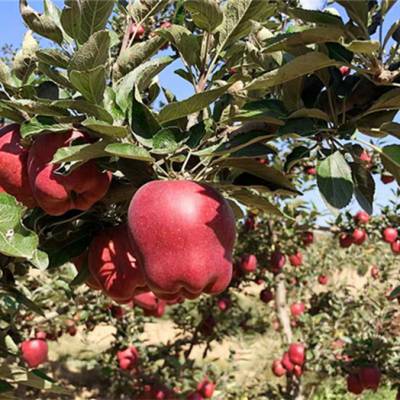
{"x": 12, "y": 30}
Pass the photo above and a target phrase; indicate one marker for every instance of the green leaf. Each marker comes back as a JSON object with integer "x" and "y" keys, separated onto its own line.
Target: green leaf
{"x": 270, "y": 111}
{"x": 238, "y": 17}
{"x": 135, "y": 55}
{"x": 139, "y": 78}
{"x": 92, "y": 54}
{"x": 82, "y": 18}
{"x": 297, "y": 155}
{"x": 335, "y": 181}
{"x": 140, "y": 10}
{"x": 143, "y": 121}
{"x": 55, "y": 75}
{"x": 84, "y": 107}
{"x": 206, "y": 14}
{"x": 299, "y": 66}
{"x": 22, "y": 299}
{"x": 5, "y": 73}
{"x": 106, "y": 129}
{"x": 191, "y": 105}
{"x": 82, "y": 276}
{"x": 38, "y": 125}
{"x": 166, "y": 140}
{"x": 304, "y": 127}
{"x": 5, "y": 386}
{"x": 91, "y": 83}
{"x": 254, "y": 201}
{"x": 364, "y": 186}
{"x": 357, "y": 10}
{"x": 25, "y": 59}
{"x": 391, "y": 128}
{"x": 310, "y": 113}
{"x": 388, "y": 101}
{"x": 390, "y": 157}
{"x": 314, "y": 16}
{"x": 272, "y": 178}
{"x": 363, "y": 46}
{"x": 40, "y": 260}
{"x": 31, "y": 107}
{"x": 128, "y": 150}
{"x": 15, "y": 239}
{"x": 80, "y": 153}
{"x": 40, "y": 24}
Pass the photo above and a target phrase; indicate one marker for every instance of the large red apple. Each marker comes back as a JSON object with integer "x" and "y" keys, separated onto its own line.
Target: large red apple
{"x": 13, "y": 166}
{"x": 113, "y": 265}
{"x": 359, "y": 236}
{"x": 57, "y": 193}
{"x": 354, "y": 384}
{"x": 345, "y": 240}
{"x": 361, "y": 218}
{"x": 287, "y": 362}
{"x": 183, "y": 233}
{"x": 128, "y": 358}
{"x": 206, "y": 388}
{"x": 34, "y": 352}
{"x": 395, "y": 246}
{"x": 278, "y": 369}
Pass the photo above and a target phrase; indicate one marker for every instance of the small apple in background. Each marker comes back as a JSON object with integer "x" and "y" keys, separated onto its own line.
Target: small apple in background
{"x": 71, "y": 327}
{"x": 310, "y": 170}
{"x": 386, "y": 178}
{"x": 308, "y": 238}
{"x": 136, "y": 30}
{"x": 375, "y": 272}
{"x": 34, "y": 351}
{"x": 296, "y": 260}
{"x": 344, "y": 70}
{"x": 224, "y": 303}
{"x": 390, "y": 234}
{"x": 250, "y": 223}
{"x": 128, "y": 358}
{"x": 345, "y": 240}
{"x": 395, "y": 246}
{"x": 361, "y": 218}
{"x": 277, "y": 261}
{"x": 278, "y": 369}
{"x": 297, "y": 353}
{"x": 116, "y": 311}
{"x": 297, "y": 309}
{"x": 359, "y": 236}
{"x": 298, "y": 371}
{"x": 206, "y": 388}
{"x": 365, "y": 157}
{"x": 287, "y": 362}
{"x": 266, "y": 295}
{"x": 323, "y": 280}
{"x": 248, "y": 263}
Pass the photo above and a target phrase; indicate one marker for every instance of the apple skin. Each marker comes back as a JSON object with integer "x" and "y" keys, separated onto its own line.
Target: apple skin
{"x": 183, "y": 233}
{"x": 34, "y": 352}
{"x": 386, "y": 179}
{"x": 206, "y": 388}
{"x": 323, "y": 280}
{"x": 277, "y": 261}
{"x": 354, "y": 384}
{"x": 359, "y": 236}
{"x": 308, "y": 238}
{"x": 297, "y": 353}
{"x": 370, "y": 377}
{"x": 395, "y": 246}
{"x": 113, "y": 265}
{"x": 287, "y": 362}
{"x": 297, "y": 309}
{"x": 248, "y": 263}
{"x": 55, "y": 193}
{"x": 128, "y": 358}
{"x": 390, "y": 234}
{"x": 13, "y": 166}
{"x": 224, "y": 304}
{"x": 345, "y": 240}
{"x": 278, "y": 369}
{"x": 266, "y": 295}
{"x": 361, "y": 218}
{"x": 296, "y": 260}
{"x": 91, "y": 281}
{"x": 298, "y": 371}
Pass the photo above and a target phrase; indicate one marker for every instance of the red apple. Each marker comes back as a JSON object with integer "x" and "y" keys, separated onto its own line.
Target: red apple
{"x": 41, "y": 335}
{"x": 361, "y": 218}
{"x": 386, "y": 178}
{"x": 298, "y": 371}
{"x": 365, "y": 156}
{"x": 359, "y": 236}
{"x": 277, "y": 261}
{"x": 345, "y": 240}
{"x": 206, "y": 388}
{"x": 250, "y": 223}
{"x": 90, "y": 280}
{"x": 370, "y": 377}
{"x": 158, "y": 312}
{"x": 266, "y": 295}
{"x": 138, "y": 31}
{"x": 56, "y": 193}
{"x": 308, "y": 238}
{"x": 375, "y": 272}
{"x": 195, "y": 396}
{"x": 113, "y": 264}
{"x": 13, "y": 166}
{"x": 390, "y": 234}
{"x": 344, "y": 70}
{"x": 286, "y": 362}
{"x": 71, "y": 327}
{"x": 34, "y": 352}
{"x": 310, "y": 170}
{"x": 224, "y": 304}
{"x": 296, "y": 259}
{"x": 354, "y": 384}
{"x": 395, "y": 246}
{"x": 297, "y": 353}
{"x": 248, "y": 263}
{"x": 297, "y": 309}
{"x": 323, "y": 280}
{"x": 278, "y": 369}
{"x": 183, "y": 233}
{"x": 128, "y": 358}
